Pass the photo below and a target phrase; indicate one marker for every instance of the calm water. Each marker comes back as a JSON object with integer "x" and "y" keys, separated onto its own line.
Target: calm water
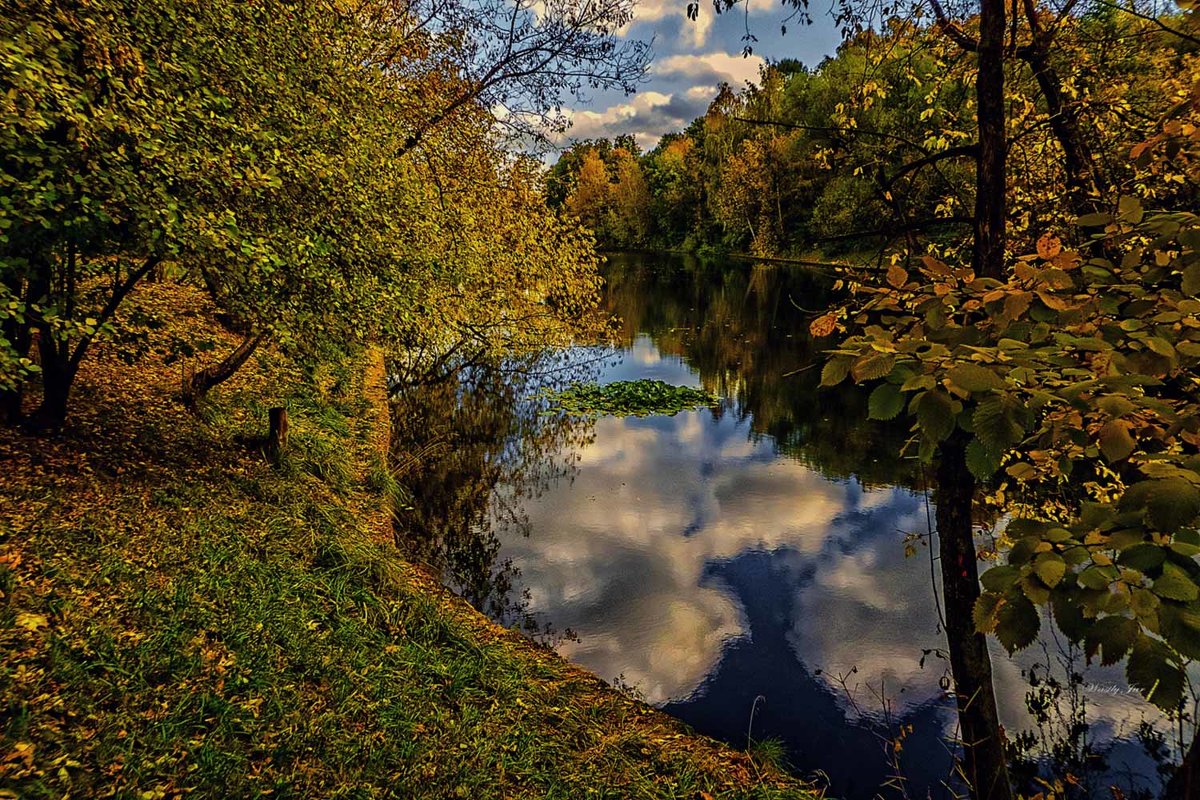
{"x": 769, "y": 554}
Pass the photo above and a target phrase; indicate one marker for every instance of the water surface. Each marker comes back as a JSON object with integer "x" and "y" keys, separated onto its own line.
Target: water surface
{"x": 767, "y": 555}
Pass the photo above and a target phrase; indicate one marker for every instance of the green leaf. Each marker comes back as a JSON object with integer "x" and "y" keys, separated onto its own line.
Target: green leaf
{"x": 885, "y": 402}
{"x": 1112, "y": 636}
{"x": 1144, "y": 604}
{"x": 1094, "y": 220}
{"x": 974, "y": 378}
{"x": 1017, "y": 622}
{"x": 995, "y": 424}
{"x": 1068, "y": 616}
{"x": 872, "y": 366}
{"x": 1000, "y": 578}
{"x": 1172, "y": 504}
{"x": 984, "y": 612}
{"x": 935, "y": 414}
{"x": 1130, "y": 210}
{"x": 835, "y": 371}
{"x": 1115, "y": 405}
{"x": 1050, "y": 568}
{"x": 1142, "y": 557}
{"x": 980, "y": 461}
{"x": 1161, "y": 346}
{"x": 1115, "y": 441}
{"x": 1174, "y": 584}
{"x": 1154, "y": 670}
{"x": 1180, "y": 626}
{"x": 1097, "y": 577}
{"x": 1191, "y": 280}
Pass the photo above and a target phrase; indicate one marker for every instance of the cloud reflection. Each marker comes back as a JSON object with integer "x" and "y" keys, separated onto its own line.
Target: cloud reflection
{"x": 645, "y": 556}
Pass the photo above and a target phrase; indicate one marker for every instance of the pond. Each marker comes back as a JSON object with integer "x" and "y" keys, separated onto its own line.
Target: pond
{"x": 759, "y": 569}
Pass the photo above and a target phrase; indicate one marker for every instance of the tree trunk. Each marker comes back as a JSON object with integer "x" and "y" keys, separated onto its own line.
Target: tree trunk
{"x": 991, "y": 175}
{"x": 20, "y": 336}
{"x": 58, "y": 375}
{"x": 278, "y": 436}
{"x": 28, "y": 289}
{"x": 196, "y": 387}
{"x": 984, "y": 765}
{"x": 1185, "y": 783}
{"x": 1085, "y": 181}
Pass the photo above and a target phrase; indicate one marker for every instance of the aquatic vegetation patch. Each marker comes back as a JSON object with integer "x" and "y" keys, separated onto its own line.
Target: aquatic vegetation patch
{"x": 639, "y": 398}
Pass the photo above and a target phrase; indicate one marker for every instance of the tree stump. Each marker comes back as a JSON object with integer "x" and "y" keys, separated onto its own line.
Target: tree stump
{"x": 277, "y": 438}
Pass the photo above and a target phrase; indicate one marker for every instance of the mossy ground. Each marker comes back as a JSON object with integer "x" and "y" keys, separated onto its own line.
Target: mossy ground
{"x": 178, "y": 617}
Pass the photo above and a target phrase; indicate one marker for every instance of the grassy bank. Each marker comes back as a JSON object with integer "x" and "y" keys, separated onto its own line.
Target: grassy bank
{"x": 178, "y": 617}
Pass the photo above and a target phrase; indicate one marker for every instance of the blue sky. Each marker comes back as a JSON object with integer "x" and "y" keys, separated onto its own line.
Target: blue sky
{"x": 691, "y": 59}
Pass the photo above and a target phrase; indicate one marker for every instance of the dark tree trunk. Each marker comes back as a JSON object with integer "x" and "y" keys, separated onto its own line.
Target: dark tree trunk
{"x": 196, "y": 387}
{"x": 1185, "y": 783}
{"x": 1085, "y": 182}
{"x": 20, "y": 336}
{"x": 1083, "y": 179}
{"x": 991, "y": 175}
{"x": 984, "y": 765}
{"x": 29, "y": 288}
{"x": 277, "y": 437}
{"x": 58, "y": 375}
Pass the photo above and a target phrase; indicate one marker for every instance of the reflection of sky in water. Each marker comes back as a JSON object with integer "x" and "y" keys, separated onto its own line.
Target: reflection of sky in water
{"x": 706, "y": 570}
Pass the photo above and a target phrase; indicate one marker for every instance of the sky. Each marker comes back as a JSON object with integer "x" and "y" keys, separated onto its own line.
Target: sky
{"x": 690, "y": 60}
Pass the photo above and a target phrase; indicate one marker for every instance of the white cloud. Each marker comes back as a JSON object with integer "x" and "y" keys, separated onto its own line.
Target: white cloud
{"x": 693, "y": 32}
{"x": 647, "y": 116}
{"x": 654, "y": 504}
{"x": 736, "y": 70}
{"x": 688, "y": 84}
{"x": 625, "y": 556}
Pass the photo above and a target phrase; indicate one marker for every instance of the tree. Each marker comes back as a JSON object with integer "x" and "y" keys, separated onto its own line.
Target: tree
{"x": 1075, "y": 367}
{"x": 279, "y": 155}
{"x": 943, "y": 440}
{"x": 591, "y": 198}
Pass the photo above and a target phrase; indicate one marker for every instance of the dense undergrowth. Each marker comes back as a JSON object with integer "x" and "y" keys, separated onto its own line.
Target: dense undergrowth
{"x": 180, "y": 617}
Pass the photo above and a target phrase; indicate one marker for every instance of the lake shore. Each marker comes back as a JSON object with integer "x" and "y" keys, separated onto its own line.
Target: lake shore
{"x": 181, "y": 617}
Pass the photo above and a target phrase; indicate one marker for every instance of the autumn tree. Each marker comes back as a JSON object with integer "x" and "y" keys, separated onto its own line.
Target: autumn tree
{"x": 280, "y": 156}
{"x": 1054, "y": 362}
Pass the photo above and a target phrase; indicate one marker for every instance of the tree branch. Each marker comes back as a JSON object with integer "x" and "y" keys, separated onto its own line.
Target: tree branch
{"x": 952, "y": 30}
{"x": 1164, "y": 26}
{"x": 961, "y": 151}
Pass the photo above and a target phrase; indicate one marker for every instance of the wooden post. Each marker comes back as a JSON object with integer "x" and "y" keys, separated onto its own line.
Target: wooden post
{"x": 277, "y": 438}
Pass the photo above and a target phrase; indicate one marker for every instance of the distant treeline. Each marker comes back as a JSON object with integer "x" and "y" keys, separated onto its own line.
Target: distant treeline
{"x": 875, "y": 144}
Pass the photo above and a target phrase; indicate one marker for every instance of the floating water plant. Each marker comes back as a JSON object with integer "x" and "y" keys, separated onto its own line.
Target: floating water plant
{"x": 630, "y": 398}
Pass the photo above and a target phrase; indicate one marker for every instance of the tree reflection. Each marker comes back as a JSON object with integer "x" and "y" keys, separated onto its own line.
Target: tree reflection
{"x": 470, "y": 446}
{"x": 744, "y": 327}
{"x": 474, "y": 442}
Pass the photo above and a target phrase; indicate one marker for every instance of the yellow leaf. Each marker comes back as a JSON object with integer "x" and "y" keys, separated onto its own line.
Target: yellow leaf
{"x": 32, "y": 622}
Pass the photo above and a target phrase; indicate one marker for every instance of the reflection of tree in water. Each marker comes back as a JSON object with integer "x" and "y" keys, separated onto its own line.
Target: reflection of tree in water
{"x": 744, "y": 327}
{"x": 470, "y": 447}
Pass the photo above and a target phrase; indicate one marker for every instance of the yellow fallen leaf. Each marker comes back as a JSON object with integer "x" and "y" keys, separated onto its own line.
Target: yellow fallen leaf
{"x": 32, "y": 622}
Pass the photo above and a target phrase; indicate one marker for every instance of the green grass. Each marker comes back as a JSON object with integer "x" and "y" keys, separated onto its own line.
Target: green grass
{"x": 179, "y": 617}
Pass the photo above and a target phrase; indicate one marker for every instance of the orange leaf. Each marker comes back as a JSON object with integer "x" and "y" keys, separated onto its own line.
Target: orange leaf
{"x": 935, "y": 266}
{"x": 823, "y": 325}
{"x": 897, "y": 276}
{"x": 1049, "y": 246}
